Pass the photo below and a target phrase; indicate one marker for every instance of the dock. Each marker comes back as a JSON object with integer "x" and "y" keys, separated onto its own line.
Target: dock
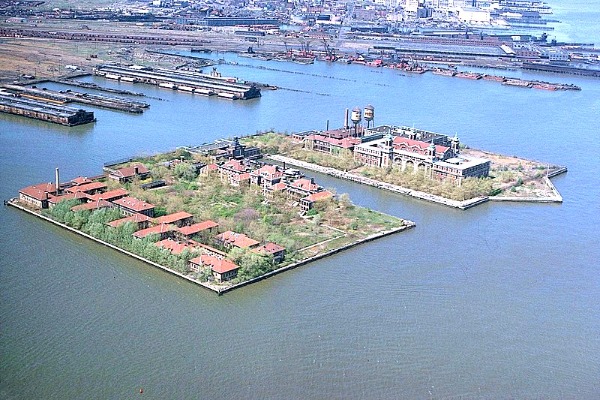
{"x": 93, "y": 86}
{"x": 186, "y": 81}
{"x": 56, "y": 113}
{"x": 69, "y": 96}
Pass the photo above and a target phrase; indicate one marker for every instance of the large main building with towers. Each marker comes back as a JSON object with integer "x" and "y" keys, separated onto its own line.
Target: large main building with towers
{"x": 385, "y": 146}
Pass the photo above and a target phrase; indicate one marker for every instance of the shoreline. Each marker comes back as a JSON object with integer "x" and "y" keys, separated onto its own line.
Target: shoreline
{"x": 218, "y": 290}
{"x": 462, "y": 205}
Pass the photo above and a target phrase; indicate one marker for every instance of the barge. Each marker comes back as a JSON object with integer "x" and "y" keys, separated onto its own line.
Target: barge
{"x": 58, "y": 114}
{"x": 69, "y": 96}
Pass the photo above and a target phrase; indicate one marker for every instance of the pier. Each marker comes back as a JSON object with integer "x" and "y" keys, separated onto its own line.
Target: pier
{"x": 36, "y": 109}
{"x": 65, "y": 97}
{"x": 186, "y": 81}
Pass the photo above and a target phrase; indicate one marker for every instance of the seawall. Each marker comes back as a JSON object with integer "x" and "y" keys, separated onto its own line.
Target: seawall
{"x": 13, "y": 203}
{"x": 408, "y": 225}
{"x": 217, "y": 289}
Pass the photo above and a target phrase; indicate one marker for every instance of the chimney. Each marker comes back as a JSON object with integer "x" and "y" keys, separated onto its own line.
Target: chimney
{"x": 284, "y": 165}
{"x": 57, "y": 182}
{"x": 346, "y": 126}
{"x": 312, "y": 181}
{"x": 135, "y": 170}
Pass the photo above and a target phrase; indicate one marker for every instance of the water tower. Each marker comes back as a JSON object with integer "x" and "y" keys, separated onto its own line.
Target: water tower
{"x": 369, "y": 114}
{"x": 355, "y": 117}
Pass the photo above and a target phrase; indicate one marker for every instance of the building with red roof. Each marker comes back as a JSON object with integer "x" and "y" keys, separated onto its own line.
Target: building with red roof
{"x": 272, "y": 250}
{"x": 93, "y": 205}
{"x": 80, "y": 180}
{"x": 180, "y": 218}
{"x": 140, "y": 220}
{"x": 222, "y": 269}
{"x": 408, "y": 146}
{"x": 89, "y": 188}
{"x": 127, "y": 174}
{"x": 111, "y": 195}
{"x": 409, "y": 152}
{"x": 308, "y": 202}
{"x": 131, "y": 205}
{"x": 331, "y": 145}
{"x": 173, "y": 246}
{"x": 194, "y": 229}
{"x": 37, "y": 195}
{"x": 164, "y": 231}
{"x": 302, "y": 187}
{"x": 276, "y": 188}
{"x": 233, "y": 239}
{"x": 79, "y": 196}
{"x": 235, "y": 172}
{"x": 266, "y": 176}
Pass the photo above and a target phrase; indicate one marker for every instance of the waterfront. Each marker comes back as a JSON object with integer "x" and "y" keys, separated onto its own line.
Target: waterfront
{"x": 501, "y": 301}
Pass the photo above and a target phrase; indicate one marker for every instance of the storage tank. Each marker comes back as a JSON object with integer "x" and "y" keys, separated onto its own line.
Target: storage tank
{"x": 356, "y": 116}
{"x": 369, "y": 114}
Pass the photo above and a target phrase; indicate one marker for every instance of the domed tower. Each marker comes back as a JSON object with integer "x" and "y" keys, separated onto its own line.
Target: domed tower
{"x": 369, "y": 114}
{"x": 431, "y": 150}
{"x": 455, "y": 145}
{"x": 355, "y": 117}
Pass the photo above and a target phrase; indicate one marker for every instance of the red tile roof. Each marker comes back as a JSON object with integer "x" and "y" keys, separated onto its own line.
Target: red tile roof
{"x": 110, "y": 195}
{"x": 199, "y": 227}
{"x": 346, "y": 143}
{"x": 86, "y": 187}
{"x": 170, "y": 218}
{"x": 133, "y": 204}
{"x": 234, "y": 165}
{"x": 80, "y": 180}
{"x": 268, "y": 171}
{"x": 69, "y": 196}
{"x": 237, "y": 239}
{"x": 135, "y": 218}
{"x": 400, "y": 142}
{"x": 173, "y": 246}
{"x": 94, "y": 205}
{"x": 325, "y": 194}
{"x": 154, "y": 229}
{"x": 217, "y": 265}
{"x": 39, "y": 191}
{"x": 305, "y": 184}
{"x": 269, "y": 248}
{"x": 129, "y": 172}
{"x": 279, "y": 186}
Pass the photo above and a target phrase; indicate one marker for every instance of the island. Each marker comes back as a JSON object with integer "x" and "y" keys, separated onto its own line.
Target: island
{"x": 216, "y": 215}
{"x": 415, "y": 162}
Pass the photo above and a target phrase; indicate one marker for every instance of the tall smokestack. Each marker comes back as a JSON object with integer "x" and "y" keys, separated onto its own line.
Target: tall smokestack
{"x": 346, "y": 123}
{"x": 57, "y": 182}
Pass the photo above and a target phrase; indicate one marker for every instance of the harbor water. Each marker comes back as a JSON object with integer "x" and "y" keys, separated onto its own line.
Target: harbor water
{"x": 500, "y": 301}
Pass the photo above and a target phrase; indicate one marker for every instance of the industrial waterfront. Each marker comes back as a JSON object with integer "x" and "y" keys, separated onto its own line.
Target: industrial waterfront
{"x": 498, "y": 302}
